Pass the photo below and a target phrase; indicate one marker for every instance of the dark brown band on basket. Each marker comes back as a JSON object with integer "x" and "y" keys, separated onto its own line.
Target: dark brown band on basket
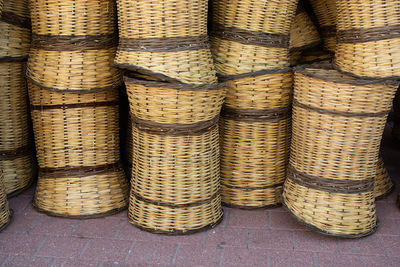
{"x": 166, "y": 44}
{"x": 252, "y": 188}
{"x": 224, "y": 78}
{"x": 340, "y": 113}
{"x": 250, "y": 37}
{"x": 75, "y": 105}
{"x": 81, "y": 171}
{"x": 15, "y": 153}
{"x": 328, "y": 31}
{"x": 13, "y": 59}
{"x": 15, "y": 19}
{"x": 368, "y": 35}
{"x": 73, "y": 43}
{"x": 256, "y": 115}
{"x": 172, "y": 205}
{"x": 174, "y": 129}
{"x": 330, "y": 185}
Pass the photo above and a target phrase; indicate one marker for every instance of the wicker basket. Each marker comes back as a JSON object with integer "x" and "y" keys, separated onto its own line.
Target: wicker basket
{"x": 166, "y": 39}
{"x": 5, "y": 212}
{"x": 368, "y": 38}
{"x": 335, "y": 145}
{"x": 15, "y": 38}
{"x": 315, "y": 54}
{"x": 77, "y": 143}
{"x": 176, "y": 171}
{"x": 249, "y": 36}
{"x": 73, "y": 45}
{"x": 383, "y": 183}
{"x": 255, "y": 136}
{"x": 16, "y": 158}
{"x": 325, "y": 10}
{"x": 1, "y": 6}
{"x": 303, "y": 35}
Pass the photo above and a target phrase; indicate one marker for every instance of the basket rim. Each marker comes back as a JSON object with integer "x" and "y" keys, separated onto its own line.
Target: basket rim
{"x": 223, "y": 77}
{"x": 244, "y": 207}
{"x": 303, "y": 69}
{"x": 10, "y": 218}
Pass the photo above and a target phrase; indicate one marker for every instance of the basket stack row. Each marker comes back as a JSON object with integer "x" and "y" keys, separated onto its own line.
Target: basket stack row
{"x": 175, "y": 102}
{"x": 16, "y": 151}
{"x": 73, "y": 91}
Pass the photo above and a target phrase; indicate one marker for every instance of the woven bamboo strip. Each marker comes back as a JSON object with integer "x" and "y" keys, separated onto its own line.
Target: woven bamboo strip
{"x": 5, "y": 213}
{"x": 383, "y": 184}
{"x": 325, "y": 10}
{"x": 333, "y": 158}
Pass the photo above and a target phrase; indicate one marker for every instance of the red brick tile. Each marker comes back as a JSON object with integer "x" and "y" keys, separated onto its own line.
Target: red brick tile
{"x": 19, "y": 204}
{"x": 371, "y": 245}
{"x": 62, "y": 247}
{"x": 54, "y": 226}
{"x": 106, "y": 250}
{"x": 290, "y": 258}
{"x": 226, "y": 237}
{"x": 284, "y": 221}
{"x": 392, "y": 245}
{"x": 29, "y": 191}
{"x": 152, "y": 253}
{"x": 19, "y": 244}
{"x": 379, "y": 261}
{"x": 310, "y": 241}
{"x": 22, "y": 223}
{"x": 193, "y": 239}
{"x": 130, "y": 232}
{"x": 388, "y": 226}
{"x": 198, "y": 256}
{"x": 120, "y": 264}
{"x": 97, "y": 228}
{"x": 245, "y": 257}
{"x": 2, "y": 258}
{"x": 334, "y": 259}
{"x": 13, "y": 261}
{"x": 75, "y": 263}
{"x": 248, "y": 218}
{"x": 387, "y": 209}
{"x": 270, "y": 239}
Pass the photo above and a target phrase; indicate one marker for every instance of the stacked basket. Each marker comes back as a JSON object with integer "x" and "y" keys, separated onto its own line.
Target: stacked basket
{"x": 16, "y": 157}
{"x": 175, "y": 102}
{"x": 5, "y": 212}
{"x": 250, "y": 46}
{"x": 73, "y": 93}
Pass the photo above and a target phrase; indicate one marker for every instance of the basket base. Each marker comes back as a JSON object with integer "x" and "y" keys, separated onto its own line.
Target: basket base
{"x": 272, "y": 206}
{"x": 320, "y": 231}
{"x": 385, "y": 195}
{"x": 178, "y": 232}
{"x": 79, "y": 217}
{"x": 19, "y": 191}
{"x": 9, "y": 221}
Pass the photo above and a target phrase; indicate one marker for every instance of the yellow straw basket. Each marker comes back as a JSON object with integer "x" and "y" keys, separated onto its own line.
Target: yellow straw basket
{"x": 336, "y": 136}
{"x": 15, "y": 38}
{"x": 303, "y": 35}
{"x": 176, "y": 172}
{"x": 315, "y": 54}
{"x": 77, "y": 143}
{"x": 383, "y": 184}
{"x": 73, "y": 45}
{"x": 166, "y": 39}
{"x": 249, "y": 36}
{"x": 5, "y": 212}
{"x": 254, "y": 138}
{"x": 325, "y": 10}
{"x": 16, "y": 157}
{"x": 1, "y": 6}
{"x": 368, "y": 38}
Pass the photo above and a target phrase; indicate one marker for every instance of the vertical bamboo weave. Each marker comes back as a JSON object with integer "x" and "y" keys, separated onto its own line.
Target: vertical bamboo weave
{"x": 325, "y": 10}
{"x": 383, "y": 184}
{"x": 5, "y": 212}
{"x": 166, "y": 39}
{"x": 368, "y": 38}
{"x": 334, "y": 152}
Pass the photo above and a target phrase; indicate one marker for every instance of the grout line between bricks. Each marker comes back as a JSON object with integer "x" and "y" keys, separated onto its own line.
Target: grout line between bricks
{"x": 5, "y": 260}
{"x": 248, "y": 239}
{"x": 101, "y": 263}
{"x": 34, "y": 224}
{"x": 53, "y": 262}
{"x": 292, "y": 239}
{"x": 315, "y": 259}
{"x": 383, "y": 246}
{"x": 269, "y": 220}
{"x": 129, "y": 251}
{"x": 75, "y": 228}
{"x": 84, "y": 248}
{"x": 40, "y": 246}
{"x": 268, "y": 258}
{"x": 226, "y": 217}
{"x": 176, "y": 254}
{"x": 221, "y": 257}
{"x": 118, "y": 230}
{"x": 362, "y": 261}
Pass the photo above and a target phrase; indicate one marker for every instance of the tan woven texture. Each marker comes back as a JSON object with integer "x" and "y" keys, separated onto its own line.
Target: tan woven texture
{"x": 5, "y": 214}
{"x": 325, "y": 10}
{"x": 336, "y": 136}
{"x": 303, "y": 33}
{"x": 383, "y": 184}
{"x": 368, "y": 38}
{"x": 1, "y": 6}
{"x": 254, "y": 139}
{"x": 315, "y": 55}
{"x": 176, "y": 171}
{"x": 74, "y": 44}
{"x": 77, "y": 143}
{"x": 166, "y": 39}
{"x": 16, "y": 159}
{"x": 15, "y": 35}
{"x": 249, "y": 36}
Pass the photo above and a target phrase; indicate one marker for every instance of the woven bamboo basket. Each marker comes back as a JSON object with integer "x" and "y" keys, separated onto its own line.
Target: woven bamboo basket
{"x": 166, "y": 39}
{"x": 368, "y": 38}
{"x": 77, "y": 143}
{"x": 325, "y": 11}
{"x": 73, "y": 45}
{"x": 336, "y": 136}
{"x": 396, "y": 126}
{"x": 383, "y": 183}
{"x": 176, "y": 172}
{"x": 15, "y": 38}
{"x": 315, "y": 54}
{"x": 303, "y": 35}
{"x": 254, "y": 138}
{"x": 5, "y": 212}
{"x": 16, "y": 157}
{"x": 1, "y": 6}
{"x": 249, "y": 36}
